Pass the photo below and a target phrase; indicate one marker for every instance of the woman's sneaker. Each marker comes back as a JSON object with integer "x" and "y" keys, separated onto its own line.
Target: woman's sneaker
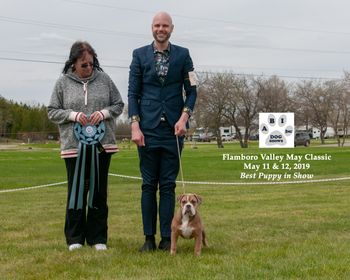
{"x": 74, "y": 246}
{"x": 100, "y": 247}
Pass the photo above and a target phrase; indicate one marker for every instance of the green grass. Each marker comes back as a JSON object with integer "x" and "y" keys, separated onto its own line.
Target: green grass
{"x": 285, "y": 231}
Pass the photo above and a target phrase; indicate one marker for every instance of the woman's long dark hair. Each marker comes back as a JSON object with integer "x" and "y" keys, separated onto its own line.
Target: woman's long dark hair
{"x": 77, "y": 50}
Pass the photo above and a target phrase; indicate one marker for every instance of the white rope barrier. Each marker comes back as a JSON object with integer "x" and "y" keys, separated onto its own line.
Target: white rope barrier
{"x": 32, "y": 188}
{"x": 191, "y": 182}
{"x": 243, "y": 183}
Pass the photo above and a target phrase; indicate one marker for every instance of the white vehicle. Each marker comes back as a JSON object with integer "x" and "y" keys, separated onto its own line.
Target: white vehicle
{"x": 316, "y": 133}
{"x": 226, "y": 137}
{"x": 201, "y": 135}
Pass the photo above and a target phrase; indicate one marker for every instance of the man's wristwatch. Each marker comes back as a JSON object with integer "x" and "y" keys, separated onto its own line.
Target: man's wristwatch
{"x": 187, "y": 110}
{"x": 134, "y": 118}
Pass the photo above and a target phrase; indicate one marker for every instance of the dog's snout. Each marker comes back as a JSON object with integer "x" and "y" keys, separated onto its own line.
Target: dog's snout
{"x": 188, "y": 206}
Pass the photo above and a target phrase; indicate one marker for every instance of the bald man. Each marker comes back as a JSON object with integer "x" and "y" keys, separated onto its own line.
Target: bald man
{"x": 158, "y": 113}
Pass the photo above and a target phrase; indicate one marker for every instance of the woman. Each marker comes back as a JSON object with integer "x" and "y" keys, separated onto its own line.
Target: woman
{"x": 84, "y": 97}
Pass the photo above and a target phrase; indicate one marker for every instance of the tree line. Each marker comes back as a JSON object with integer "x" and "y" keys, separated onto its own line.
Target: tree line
{"x": 228, "y": 99}
{"x": 23, "y": 121}
{"x": 29, "y": 123}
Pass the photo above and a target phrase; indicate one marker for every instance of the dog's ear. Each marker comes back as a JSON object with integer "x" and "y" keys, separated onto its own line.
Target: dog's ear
{"x": 179, "y": 198}
{"x": 199, "y": 198}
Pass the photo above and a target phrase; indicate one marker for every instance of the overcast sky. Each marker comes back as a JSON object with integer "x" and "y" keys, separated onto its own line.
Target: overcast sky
{"x": 289, "y": 38}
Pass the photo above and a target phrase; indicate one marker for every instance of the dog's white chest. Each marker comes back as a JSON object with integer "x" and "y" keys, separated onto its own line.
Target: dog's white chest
{"x": 186, "y": 230}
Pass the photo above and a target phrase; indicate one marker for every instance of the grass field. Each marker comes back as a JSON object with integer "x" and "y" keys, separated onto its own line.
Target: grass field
{"x": 273, "y": 231}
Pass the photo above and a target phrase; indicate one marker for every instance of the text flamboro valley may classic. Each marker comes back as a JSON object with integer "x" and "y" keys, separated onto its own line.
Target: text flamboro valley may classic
{"x": 277, "y": 158}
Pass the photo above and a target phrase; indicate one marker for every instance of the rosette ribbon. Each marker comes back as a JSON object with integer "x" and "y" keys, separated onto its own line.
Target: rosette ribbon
{"x": 89, "y": 137}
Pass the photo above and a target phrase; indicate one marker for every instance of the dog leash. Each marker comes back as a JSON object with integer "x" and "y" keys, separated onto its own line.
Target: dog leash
{"x": 180, "y": 163}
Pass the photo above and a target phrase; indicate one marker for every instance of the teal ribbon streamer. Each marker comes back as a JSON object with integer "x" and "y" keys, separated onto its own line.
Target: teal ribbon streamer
{"x": 79, "y": 172}
{"x": 82, "y": 178}
{"x": 93, "y": 167}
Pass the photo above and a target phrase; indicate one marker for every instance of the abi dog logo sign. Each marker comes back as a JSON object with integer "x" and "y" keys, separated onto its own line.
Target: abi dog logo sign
{"x": 276, "y": 130}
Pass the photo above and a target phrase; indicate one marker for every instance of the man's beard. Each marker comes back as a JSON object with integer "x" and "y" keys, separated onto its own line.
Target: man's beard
{"x": 163, "y": 39}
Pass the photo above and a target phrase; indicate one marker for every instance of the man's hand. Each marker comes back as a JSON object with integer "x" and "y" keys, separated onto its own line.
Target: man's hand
{"x": 180, "y": 126}
{"x": 136, "y": 134}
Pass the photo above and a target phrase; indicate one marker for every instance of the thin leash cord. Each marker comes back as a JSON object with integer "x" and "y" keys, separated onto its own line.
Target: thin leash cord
{"x": 180, "y": 163}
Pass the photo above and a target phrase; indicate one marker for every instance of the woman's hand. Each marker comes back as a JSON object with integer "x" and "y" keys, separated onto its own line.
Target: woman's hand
{"x": 82, "y": 118}
{"x": 96, "y": 117}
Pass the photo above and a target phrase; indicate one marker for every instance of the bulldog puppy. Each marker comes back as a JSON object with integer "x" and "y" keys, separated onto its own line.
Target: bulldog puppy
{"x": 187, "y": 223}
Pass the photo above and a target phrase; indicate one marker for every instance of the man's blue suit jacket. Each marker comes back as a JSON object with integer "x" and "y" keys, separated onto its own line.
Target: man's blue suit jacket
{"x": 148, "y": 97}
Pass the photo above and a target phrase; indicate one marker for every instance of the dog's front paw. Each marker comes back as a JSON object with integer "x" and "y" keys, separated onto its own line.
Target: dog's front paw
{"x": 197, "y": 253}
{"x": 172, "y": 252}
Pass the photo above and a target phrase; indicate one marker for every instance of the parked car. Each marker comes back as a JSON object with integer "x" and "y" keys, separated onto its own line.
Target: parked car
{"x": 301, "y": 139}
{"x": 202, "y": 137}
{"x": 226, "y": 137}
{"x": 205, "y": 137}
{"x": 254, "y": 137}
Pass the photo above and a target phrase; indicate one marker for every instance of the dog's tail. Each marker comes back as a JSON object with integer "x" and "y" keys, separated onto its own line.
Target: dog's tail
{"x": 204, "y": 240}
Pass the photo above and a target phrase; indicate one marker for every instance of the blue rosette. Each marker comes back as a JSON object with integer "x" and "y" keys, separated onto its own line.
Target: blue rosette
{"x": 89, "y": 134}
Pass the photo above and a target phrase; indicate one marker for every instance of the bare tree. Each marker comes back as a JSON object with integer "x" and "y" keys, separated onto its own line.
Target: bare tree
{"x": 275, "y": 95}
{"x": 243, "y": 105}
{"x": 302, "y": 113}
{"x": 338, "y": 109}
{"x": 345, "y": 107}
{"x": 212, "y": 101}
{"x": 317, "y": 98}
